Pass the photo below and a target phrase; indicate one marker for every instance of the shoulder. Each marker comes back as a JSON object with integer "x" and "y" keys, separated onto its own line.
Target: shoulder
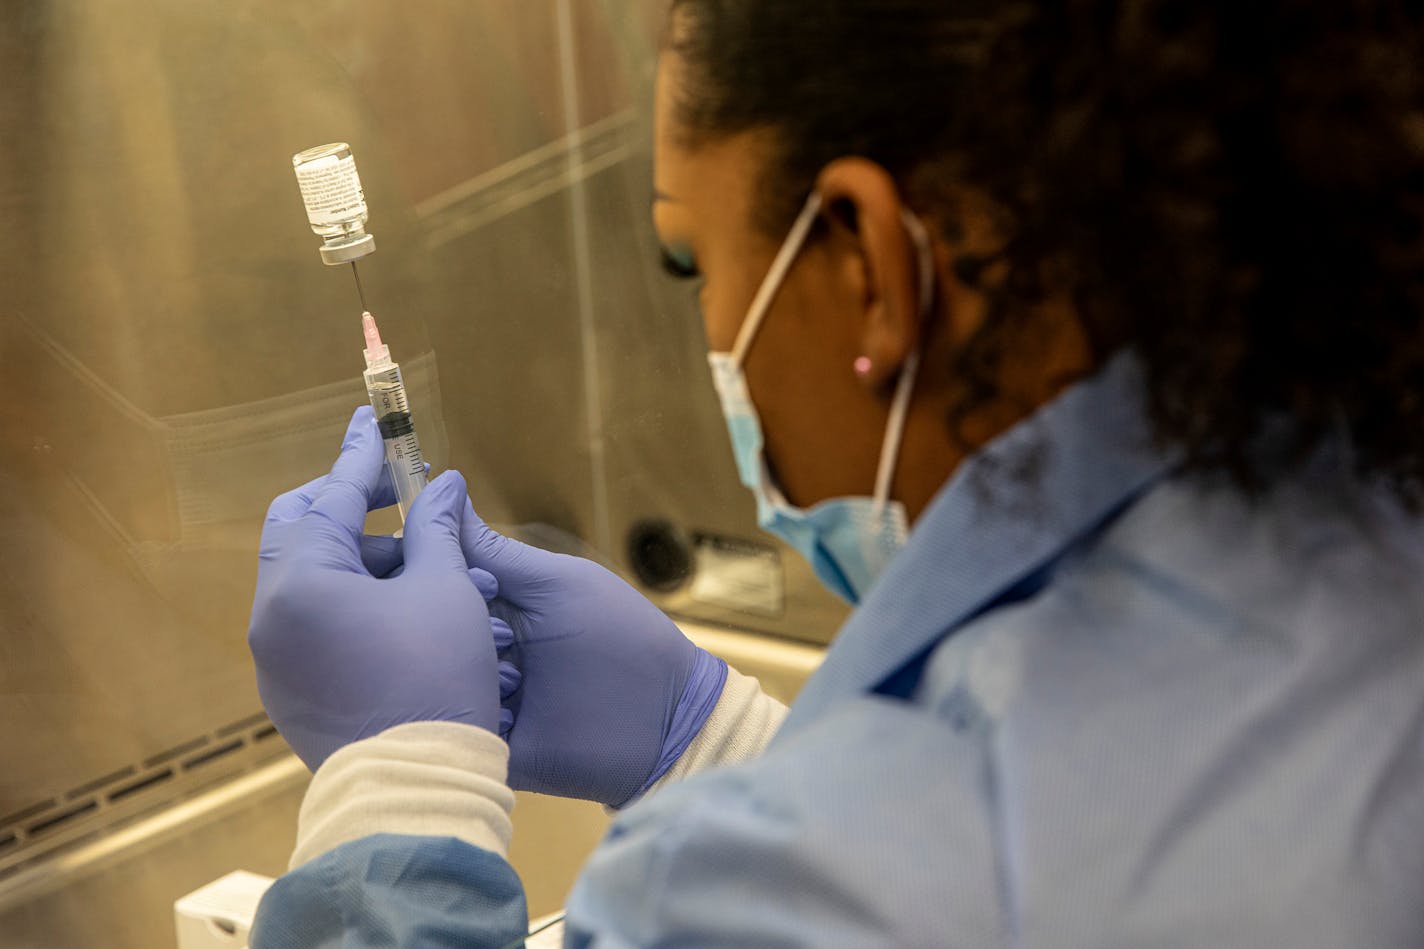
{"x": 1208, "y": 677}
{"x": 1303, "y": 563}
{"x": 1128, "y": 757}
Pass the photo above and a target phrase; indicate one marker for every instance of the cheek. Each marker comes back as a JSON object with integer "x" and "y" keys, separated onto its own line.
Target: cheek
{"x": 724, "y": 300}
{"x": 719, "y": 319}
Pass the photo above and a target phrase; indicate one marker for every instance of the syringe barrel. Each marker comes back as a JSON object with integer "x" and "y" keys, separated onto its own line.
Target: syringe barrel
{"x": 386, "y": 389}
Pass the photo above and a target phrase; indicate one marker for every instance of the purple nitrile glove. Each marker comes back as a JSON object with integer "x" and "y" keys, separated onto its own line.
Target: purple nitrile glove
{"x": 353, "y": 635}
{"x": 612, "y": 692}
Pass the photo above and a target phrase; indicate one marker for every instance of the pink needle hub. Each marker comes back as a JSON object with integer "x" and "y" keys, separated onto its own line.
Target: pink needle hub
{"x": 373, "y": 335}
{"x": 377, "y": 354}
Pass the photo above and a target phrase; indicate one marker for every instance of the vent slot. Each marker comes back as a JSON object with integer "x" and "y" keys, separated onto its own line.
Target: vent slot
{"x": 125, "y": 794}
{"x": 172, "y": 753}
{"x": 246, "y": 723}
{"x": 217, "y": 752}
{"x": 65, "y": 817}
{"x": 137, "y": 786}
{"x": 27, "y": 813}
{"x": 98, "y": 783}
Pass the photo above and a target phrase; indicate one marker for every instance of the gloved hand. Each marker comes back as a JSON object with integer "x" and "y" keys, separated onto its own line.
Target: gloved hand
{"x": 612, "y": 692}
{"x": 342, "y": 653}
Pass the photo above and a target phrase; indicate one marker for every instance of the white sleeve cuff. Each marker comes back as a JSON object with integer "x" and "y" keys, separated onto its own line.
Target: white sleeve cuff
{"x": 740, "y": 727}
{"x": 437, "y": 779}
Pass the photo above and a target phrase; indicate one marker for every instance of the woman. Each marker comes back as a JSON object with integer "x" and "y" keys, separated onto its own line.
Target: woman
{"x": 1119, "y": 305}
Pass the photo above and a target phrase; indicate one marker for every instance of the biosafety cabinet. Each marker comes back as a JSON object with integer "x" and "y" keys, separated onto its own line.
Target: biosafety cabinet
{"x": 176, "y": 355}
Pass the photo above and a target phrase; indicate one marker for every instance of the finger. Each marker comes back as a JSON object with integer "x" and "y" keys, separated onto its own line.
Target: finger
{"x": 293, "y": 504}
{"x": 385, "y": 493}
{"x": 506, "y": 722}
{"x": 432, "y": 526}
{"x": 382, "y": 554}
{"x": 284, "y": 510}
{"x": 509, "y": 679}
{"x": 349, "y": 490}
{"x": 290, "y": 506}
{"x": 518, "y": 567}
{"x": 485, "y": 582}
{"x": 503, "y": 635}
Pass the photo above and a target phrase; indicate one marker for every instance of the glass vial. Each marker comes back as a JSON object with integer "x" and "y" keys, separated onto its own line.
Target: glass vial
{"x": 336, "y": 205}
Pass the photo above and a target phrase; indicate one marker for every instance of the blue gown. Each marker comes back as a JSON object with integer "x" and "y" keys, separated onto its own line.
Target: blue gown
{"x": 1093, "y": 703}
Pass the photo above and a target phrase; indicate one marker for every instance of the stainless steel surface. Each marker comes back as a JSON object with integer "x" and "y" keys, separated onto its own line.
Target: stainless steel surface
{"x": 284, "y": 776}
{"x": 122, "y": 895}
{"x": 176, "y": 356}
{"x": 117, "y": 889}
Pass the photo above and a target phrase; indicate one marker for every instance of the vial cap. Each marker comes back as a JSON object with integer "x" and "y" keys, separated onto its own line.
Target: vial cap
{"x": 343, "y": 252}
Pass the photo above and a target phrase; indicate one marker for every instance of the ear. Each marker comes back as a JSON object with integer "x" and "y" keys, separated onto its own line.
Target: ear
{"x": 863, "y": 211}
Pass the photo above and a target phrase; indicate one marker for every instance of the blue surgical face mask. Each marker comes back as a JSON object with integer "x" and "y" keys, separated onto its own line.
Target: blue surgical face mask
{"x": 848, "y": 541}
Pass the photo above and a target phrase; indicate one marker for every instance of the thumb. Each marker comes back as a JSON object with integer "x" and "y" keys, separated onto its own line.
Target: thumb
{"x": 518, "y": 567}
{"x": 432, "y": 528}
{"x": 344, "y": 496}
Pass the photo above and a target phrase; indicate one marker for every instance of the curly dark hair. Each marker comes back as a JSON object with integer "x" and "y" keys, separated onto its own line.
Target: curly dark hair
{"x": 1234, "y": 189}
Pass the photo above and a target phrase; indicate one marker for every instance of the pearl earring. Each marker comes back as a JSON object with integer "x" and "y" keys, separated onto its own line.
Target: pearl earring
{"x": 863, "y": 365}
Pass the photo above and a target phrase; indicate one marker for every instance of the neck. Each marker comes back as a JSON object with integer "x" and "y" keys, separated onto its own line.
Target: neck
{"x": 940, "y": 432}
{"x": 928, "y": 458}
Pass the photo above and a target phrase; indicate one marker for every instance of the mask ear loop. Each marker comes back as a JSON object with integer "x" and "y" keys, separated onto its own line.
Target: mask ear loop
{"x": 766, "y": 293}
{"x": 900, "y": 405}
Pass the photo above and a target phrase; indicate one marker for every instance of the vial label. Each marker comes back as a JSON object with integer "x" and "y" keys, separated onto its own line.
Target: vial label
{"x": 331, "y": 190}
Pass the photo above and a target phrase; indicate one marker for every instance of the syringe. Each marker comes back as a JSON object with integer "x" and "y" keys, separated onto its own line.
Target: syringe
{"x": 386, "y": 390}
{"x": 336, "y": 209}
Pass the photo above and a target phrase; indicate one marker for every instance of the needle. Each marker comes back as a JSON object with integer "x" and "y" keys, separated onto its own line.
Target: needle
{"x": 359, "y": 290}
